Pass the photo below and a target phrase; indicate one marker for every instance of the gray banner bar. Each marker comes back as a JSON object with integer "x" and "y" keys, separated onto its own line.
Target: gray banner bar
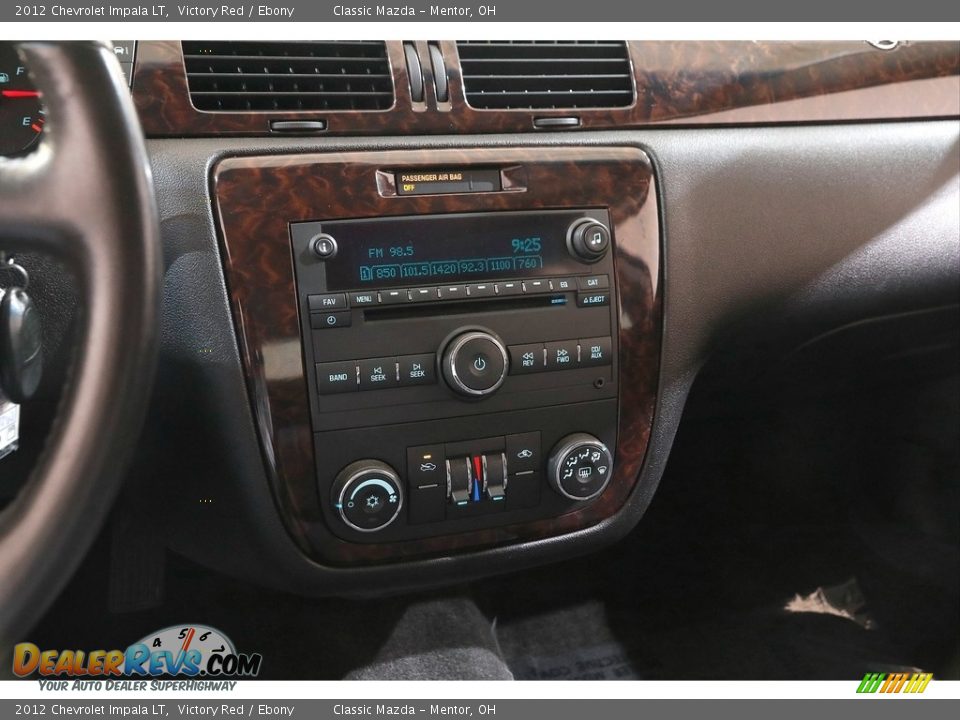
{"x": 873, "y": 708}
{"x": 491, "y": 11}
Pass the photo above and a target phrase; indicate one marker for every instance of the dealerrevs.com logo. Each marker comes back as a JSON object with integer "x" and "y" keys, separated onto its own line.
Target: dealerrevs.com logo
{"x": 192, "y": 651}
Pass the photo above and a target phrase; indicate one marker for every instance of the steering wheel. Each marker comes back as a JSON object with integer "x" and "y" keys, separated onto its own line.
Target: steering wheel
{"x": 85, "y": 194}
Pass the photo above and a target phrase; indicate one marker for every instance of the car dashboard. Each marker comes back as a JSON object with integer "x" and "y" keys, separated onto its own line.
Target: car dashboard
{"x": 431, "y": 310}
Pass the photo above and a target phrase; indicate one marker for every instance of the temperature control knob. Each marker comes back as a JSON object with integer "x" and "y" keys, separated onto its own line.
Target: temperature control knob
{"x": 368, "y": 495}
{"x": 580, "y": 467}
{"x": 588, "y": 239}
{"x": 475, "y": 363}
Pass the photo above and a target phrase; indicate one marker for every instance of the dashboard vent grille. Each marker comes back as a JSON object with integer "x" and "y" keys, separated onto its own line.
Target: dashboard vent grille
{"x": 545, "y": 75}
{"x": 263, "y": 76}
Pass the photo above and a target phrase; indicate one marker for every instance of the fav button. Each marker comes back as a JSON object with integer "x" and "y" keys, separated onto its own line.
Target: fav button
{"x": 331, "y": 301}
{"x": 377, "y": 373}
{"x": 417, "y": 369}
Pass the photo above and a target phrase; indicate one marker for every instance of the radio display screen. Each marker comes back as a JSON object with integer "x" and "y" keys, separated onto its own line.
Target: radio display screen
{"x": 442, "y": 249}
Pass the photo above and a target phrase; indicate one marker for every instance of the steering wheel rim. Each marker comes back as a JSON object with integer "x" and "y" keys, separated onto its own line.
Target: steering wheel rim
{"x": 85, "y": 194}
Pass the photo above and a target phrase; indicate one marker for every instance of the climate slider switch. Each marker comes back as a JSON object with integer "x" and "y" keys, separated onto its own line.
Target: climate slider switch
{"x": 459, "y": 479}
{"x": 495, "y": 476}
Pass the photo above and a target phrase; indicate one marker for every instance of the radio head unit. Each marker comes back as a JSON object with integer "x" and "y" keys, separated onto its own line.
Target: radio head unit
{"x": 463, "y": 367}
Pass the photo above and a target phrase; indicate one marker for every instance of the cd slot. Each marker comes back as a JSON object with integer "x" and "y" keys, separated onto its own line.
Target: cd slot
{"x": 466, "y": 306}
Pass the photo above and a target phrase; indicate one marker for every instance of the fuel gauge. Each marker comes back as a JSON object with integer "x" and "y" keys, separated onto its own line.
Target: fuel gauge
{"x": 21, "y": 115}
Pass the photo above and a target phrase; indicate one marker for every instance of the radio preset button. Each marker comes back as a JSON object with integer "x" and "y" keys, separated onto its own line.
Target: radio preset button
{"x": 526, "y": 359}
{"x": 510, "y": 287}
{"x": 417, "y": 369}
{"x": 594, "y": 282}
{"x": 562, "y": 355}
{"x": 593, "y": 299}
{"x": 360, "y": 299}
{"x": 596, "y": 351}
{"x": 536, "y": 286}
{"x": 336, "y": 377}
{"x": 451, "y": 292}
{"x": 481, "y": 290}
{"x": 378, "y": 373}
{"x": 322, "y": 321}
{"x": 330, "y": 301}
{"x": 393, "y": 297}
{"x": 422, "y": 294}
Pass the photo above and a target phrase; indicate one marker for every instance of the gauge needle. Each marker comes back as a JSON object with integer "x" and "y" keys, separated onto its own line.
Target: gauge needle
{"x": 19, "y": 93}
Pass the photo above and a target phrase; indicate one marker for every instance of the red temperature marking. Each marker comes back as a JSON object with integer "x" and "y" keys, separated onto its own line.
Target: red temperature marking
{"x": 19, "y": 93}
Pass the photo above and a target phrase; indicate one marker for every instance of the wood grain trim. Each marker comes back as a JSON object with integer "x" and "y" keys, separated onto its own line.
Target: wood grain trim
{"x": 689, "y": 83}
{"x": 257, "y": 197}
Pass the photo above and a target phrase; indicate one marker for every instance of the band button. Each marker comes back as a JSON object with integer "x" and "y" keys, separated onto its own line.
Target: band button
{"x": 336, "y": 377}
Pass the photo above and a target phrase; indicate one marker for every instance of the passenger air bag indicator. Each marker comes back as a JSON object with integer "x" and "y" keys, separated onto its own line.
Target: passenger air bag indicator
{"x": 447, "y": 181}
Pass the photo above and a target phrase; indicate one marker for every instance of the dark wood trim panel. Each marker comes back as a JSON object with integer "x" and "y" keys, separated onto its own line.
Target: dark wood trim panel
{"x": 257, "y": 197}
{"x": 690, "y": 83}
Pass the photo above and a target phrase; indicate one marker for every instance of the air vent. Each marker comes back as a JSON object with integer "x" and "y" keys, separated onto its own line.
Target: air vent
{"x": 546, "y": 75}
{"x": 282, "y": 76}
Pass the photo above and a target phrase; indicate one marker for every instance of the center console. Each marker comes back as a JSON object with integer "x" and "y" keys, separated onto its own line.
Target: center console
{"x": 445, "y": 351}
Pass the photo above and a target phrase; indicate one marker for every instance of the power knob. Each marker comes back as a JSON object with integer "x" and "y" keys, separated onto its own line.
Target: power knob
{"x": 367, "y": 495}
{"x": 588, "y": 240}
{"x": 580, "y": 466}
{"x": 475, "y": 363}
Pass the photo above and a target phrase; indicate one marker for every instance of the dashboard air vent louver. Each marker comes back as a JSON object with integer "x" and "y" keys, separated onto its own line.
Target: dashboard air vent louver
{"x": 546, "y": 75}
{"x": 288, "y": 76}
